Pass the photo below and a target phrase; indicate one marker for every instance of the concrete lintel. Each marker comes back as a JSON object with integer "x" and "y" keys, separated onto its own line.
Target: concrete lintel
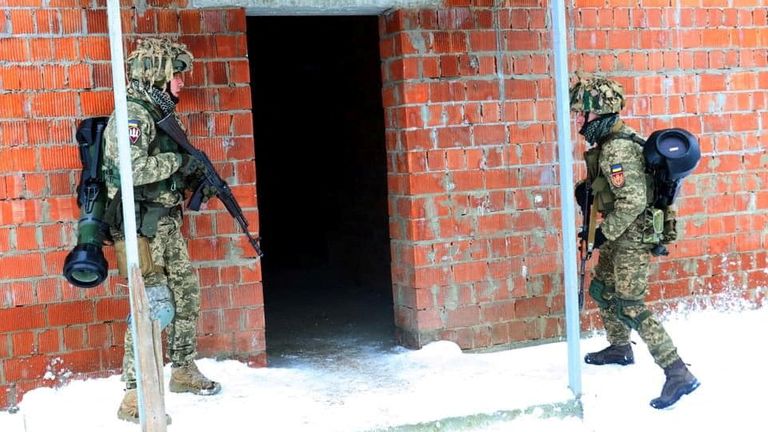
{"x": 317, "y": 7}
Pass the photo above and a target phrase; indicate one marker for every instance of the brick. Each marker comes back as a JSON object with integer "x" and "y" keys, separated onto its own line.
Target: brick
{"x": 212, "y": 21}
{"x": 22, "y": 21}
{"x": 23, "y": 368}
{"x": 216, "y": 73}
{"x": 57, "y": 104}
{"x": 12, "y": 105}
{"x": 60, "y": 157}
{"x": 96, "y": 21}
{"x": 19, "y": 266}
{"x": 80, "y": 76}
{"x": 112, "y": 309}
{"x": 249, "y": 341}
{"x": 190, "y": 21}
{"x": 48, "y": 290}
{"x": 97, "y": 103}
{"x": 146, "y": 22}
{"x": 5, "y": 346}
{"x": 74, "y": 337}
{"x": 72, "y": 21}
{"x": 231, "y": 321}
{"x": 167, "y": 21}
{"x": 22, "y": 318}
{"x": 77, "y": 312}
{"x": 23, "y": 343}
{"x": 236, "y": 98}
{"x": 230, "y": 45}
{"x": 235, "y": 20}
{"x": 94, "y": 48}
{"x": 102, "y": 75}
{"x": 48, "y": 341}
{"x": 26, "y": 238}
{"x": 14, "y": 50}
{"x": 99, "y": 336}
{"x": 81, "y": 361}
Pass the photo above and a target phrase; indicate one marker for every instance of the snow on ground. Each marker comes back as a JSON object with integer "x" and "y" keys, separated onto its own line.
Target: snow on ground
{"x": 375, "y": 390}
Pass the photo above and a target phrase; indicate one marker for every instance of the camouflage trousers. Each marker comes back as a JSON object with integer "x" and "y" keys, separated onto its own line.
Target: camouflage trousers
{"x": 623, "y": 268}
{"x": 170, "y": 254}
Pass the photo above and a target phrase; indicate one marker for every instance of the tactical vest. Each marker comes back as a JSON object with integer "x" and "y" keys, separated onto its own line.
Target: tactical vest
{"x": 148, "y": 212}
{"x": 650, "y": 224}
{"x": 161, "y": 144}
{"x": 601, "y": 189}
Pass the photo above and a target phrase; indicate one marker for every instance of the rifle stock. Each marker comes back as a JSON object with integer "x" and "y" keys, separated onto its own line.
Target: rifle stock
{"x": 170, "y": 126}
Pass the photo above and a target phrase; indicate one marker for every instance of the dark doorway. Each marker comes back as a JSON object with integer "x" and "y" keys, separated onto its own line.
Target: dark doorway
{"x": 321, "y": 173}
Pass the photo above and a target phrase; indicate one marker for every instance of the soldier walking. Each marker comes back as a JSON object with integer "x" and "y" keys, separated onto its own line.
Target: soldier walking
{"x": 622, "y": 190}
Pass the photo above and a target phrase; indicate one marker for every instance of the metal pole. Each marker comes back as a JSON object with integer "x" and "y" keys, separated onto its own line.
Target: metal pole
{"x": 565, "y": 156}
{"x": 155, "y": 421}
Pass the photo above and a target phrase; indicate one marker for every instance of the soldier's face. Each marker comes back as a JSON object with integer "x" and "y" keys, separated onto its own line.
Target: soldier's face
{"x": 584, "y": 118}
{"x": 176, "y": 84}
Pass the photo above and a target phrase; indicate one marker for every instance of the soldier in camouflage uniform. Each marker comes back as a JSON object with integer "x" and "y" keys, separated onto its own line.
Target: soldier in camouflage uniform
{"x": 622, "y": 192}
{"x": 161, "y": 174}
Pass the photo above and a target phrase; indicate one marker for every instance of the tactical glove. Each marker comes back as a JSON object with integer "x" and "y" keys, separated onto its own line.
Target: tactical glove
{"x": 191, "y": 166}
{"x": 599, "y": 237}
{"x": 208, "y": 192}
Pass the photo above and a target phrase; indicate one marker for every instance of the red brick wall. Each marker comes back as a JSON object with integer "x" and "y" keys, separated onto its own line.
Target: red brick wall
{"x": 55, "y": 70}
{"x": 473, "y": 175}
{"x": 473, "y": 172}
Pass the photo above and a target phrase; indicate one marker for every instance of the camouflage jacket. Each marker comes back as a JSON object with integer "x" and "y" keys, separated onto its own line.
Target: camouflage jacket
{"x": 151, "y": 165}
{"x": 620, "y": 184}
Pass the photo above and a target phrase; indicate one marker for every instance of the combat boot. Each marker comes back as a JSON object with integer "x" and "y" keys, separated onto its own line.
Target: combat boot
{"x": 189, "y": 379}
{"x": 129, "y": 408}
{"x": 614, "y": 354}
{"x": 680, "y": 382}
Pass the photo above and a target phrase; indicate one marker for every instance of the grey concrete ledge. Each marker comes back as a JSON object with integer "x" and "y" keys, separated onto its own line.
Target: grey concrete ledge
{"x": 570, "y": 408}
{"x": 317, "y": 7}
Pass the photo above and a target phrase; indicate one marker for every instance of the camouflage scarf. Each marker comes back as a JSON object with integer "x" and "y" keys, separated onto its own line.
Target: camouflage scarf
{"x": 598, "y": 128}
{"x": 162, "y": 99}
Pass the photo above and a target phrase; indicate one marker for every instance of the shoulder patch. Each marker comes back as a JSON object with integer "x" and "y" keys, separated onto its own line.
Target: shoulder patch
{"x": 134, "y": 130}
{"x": 617, "y": 175}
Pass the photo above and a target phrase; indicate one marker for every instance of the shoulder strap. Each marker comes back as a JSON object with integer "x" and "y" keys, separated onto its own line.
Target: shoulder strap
{"x": 153, "y": 111}
{"x": 622, "y": 135}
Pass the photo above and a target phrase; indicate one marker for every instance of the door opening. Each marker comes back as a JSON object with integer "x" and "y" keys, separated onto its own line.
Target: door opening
{"x": 321, "y": 177}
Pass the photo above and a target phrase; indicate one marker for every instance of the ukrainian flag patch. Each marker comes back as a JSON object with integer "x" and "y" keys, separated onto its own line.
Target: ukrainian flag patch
{"x": 617, "y": 175}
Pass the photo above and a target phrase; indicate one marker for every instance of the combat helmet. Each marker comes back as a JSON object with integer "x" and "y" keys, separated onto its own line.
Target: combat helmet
{"x": 596, "y": 95}
{"x": 155, "y": 60}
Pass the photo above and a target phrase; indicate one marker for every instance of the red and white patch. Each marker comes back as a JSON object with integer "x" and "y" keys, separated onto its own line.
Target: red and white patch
{"x": 617, "y": 175}
{"x": 617, "y": 179}
{"x": 134, "y": 131}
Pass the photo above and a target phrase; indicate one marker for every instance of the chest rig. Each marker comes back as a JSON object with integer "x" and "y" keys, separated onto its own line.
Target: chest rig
{"x": 148, "y": 210}
{"x": 161, "y": 144}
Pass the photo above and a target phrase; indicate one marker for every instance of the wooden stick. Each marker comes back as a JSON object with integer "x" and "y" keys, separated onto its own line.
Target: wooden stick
{"x": 149, "y": 374}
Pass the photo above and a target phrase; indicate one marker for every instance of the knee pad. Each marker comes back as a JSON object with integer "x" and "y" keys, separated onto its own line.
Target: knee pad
{"x": 161, "y": 306}
{"x": 631, "y": 312}
{"x": 596, "y": 290}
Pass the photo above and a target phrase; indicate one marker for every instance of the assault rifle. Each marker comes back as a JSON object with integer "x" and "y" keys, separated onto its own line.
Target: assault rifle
{"x": 588, "y": 226}
{"x": 170, "y": 126}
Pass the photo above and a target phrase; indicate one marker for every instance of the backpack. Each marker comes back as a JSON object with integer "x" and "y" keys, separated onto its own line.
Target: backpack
{"x": 670, "y": 156}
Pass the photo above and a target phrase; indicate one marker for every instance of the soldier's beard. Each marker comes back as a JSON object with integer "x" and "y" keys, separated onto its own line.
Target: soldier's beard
{"x": 598, "y": 128}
